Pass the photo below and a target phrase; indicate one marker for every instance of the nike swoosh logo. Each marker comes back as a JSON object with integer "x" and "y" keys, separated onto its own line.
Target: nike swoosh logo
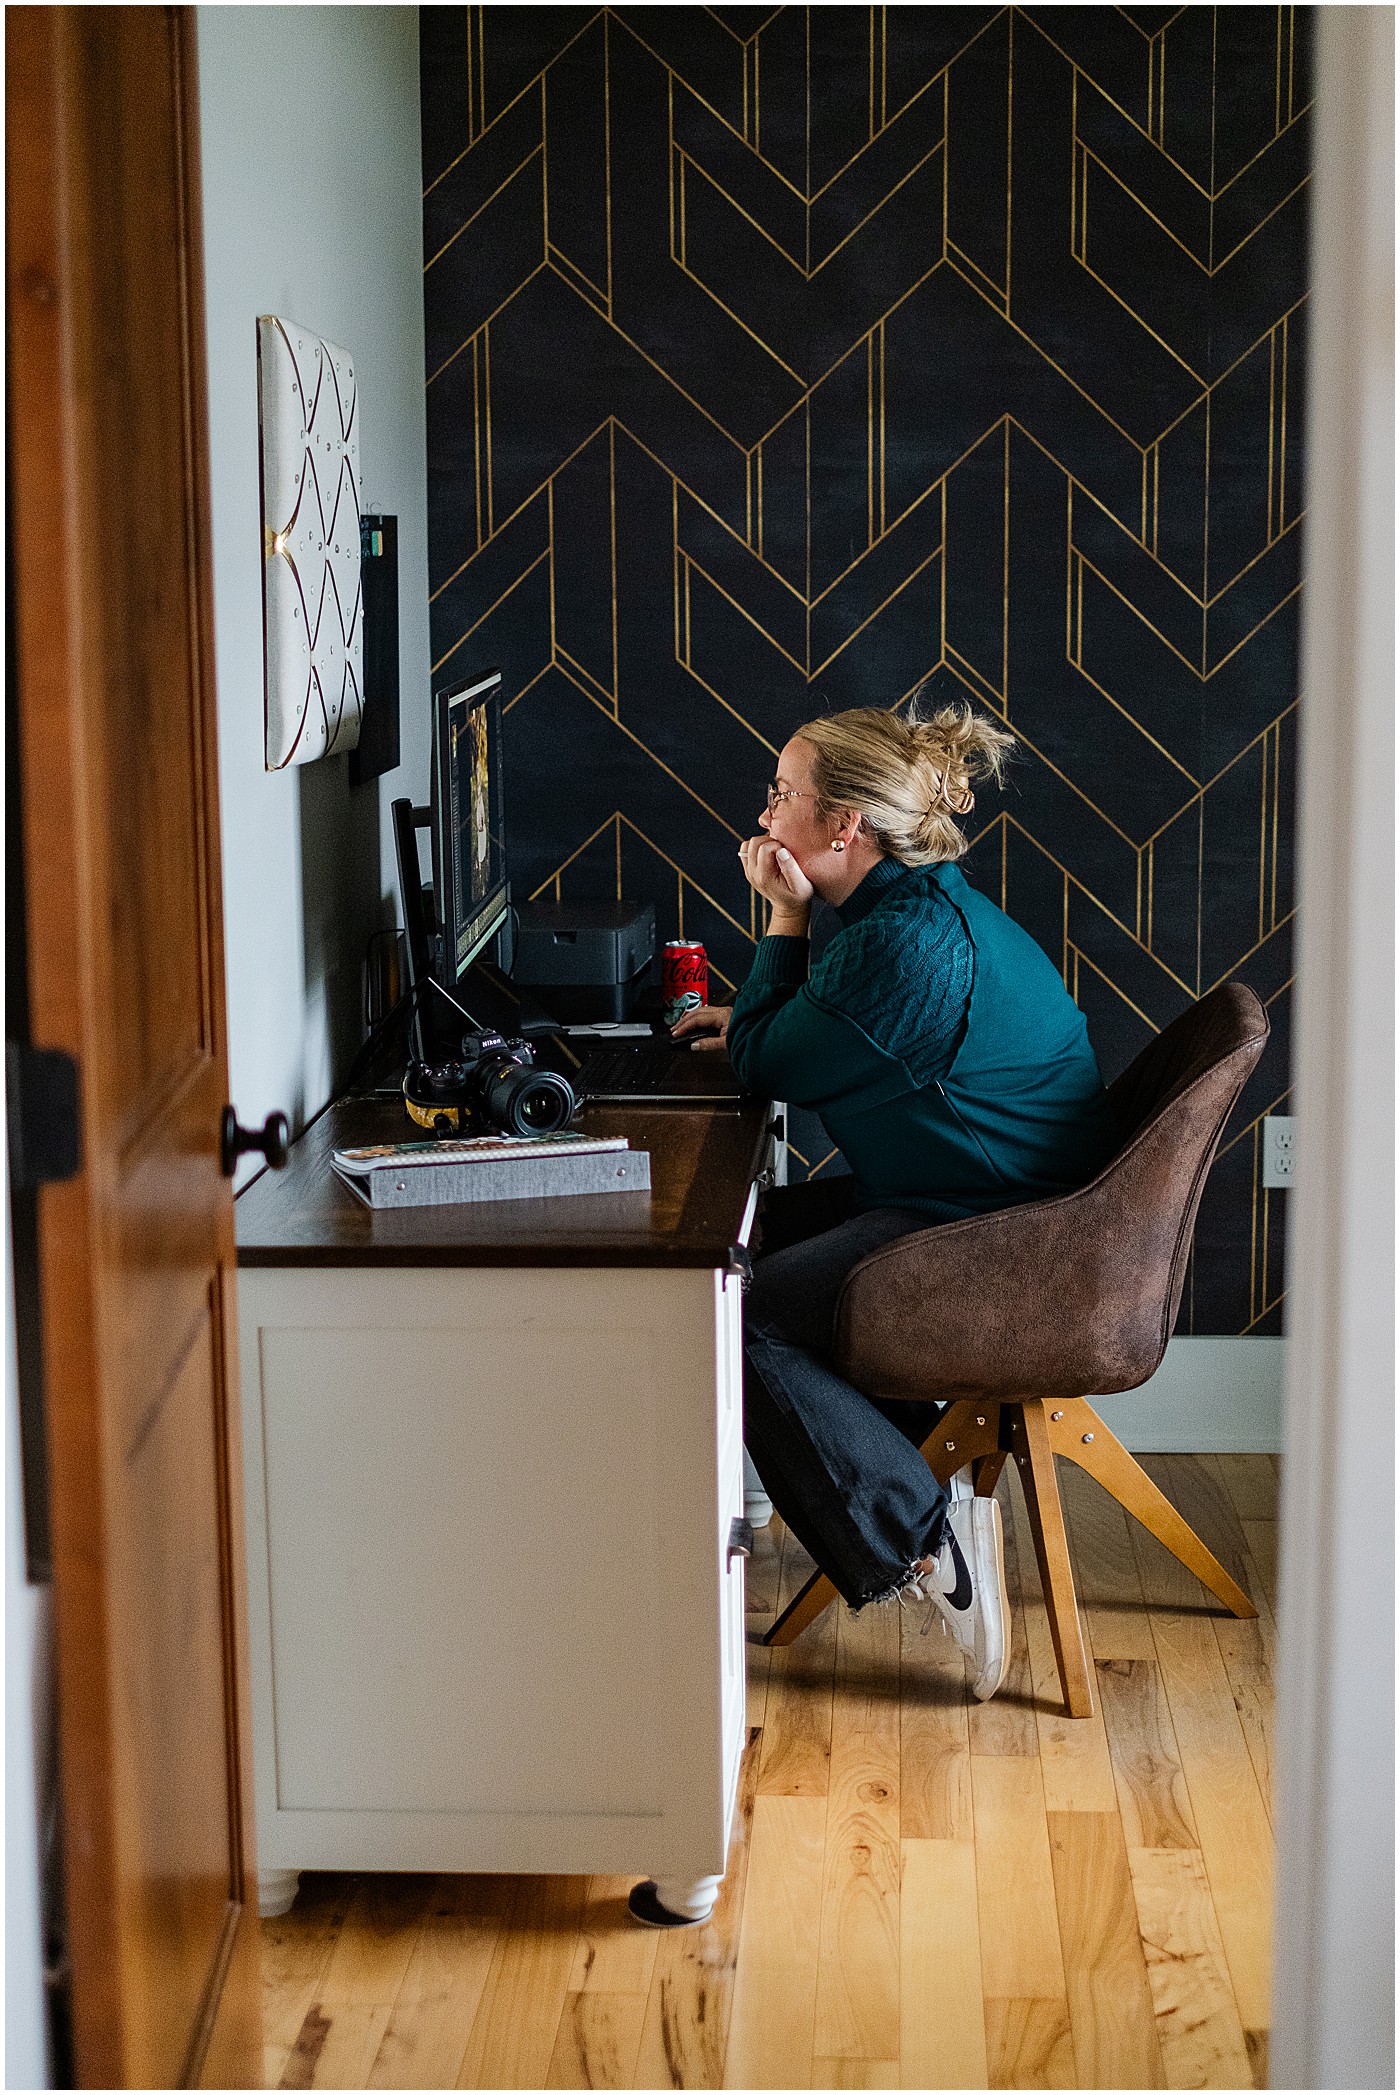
{"x": 961, "y": 1595}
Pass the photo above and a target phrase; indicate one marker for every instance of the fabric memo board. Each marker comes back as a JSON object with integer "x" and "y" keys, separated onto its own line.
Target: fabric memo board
{"x": 313, "y": 682}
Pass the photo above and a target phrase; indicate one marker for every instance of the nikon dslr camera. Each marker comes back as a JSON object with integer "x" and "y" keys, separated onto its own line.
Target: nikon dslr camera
{"x": 492, "y": 1088}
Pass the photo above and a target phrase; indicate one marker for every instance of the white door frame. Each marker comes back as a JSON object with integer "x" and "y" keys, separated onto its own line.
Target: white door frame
{"x": 1334, "y": 1961}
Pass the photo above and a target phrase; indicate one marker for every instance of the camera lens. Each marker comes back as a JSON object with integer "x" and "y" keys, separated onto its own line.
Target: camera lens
{"x": 525, "y": 1101}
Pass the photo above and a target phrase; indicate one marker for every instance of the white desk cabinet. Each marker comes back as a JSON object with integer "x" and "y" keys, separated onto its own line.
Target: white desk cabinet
{"x": 495, "y": 1621}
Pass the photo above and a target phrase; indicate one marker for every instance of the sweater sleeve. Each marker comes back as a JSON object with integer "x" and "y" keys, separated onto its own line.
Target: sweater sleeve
{"x": 779, "y": 971}
{"x": 784, "y": 1042}
{"x": 908, "y": 985}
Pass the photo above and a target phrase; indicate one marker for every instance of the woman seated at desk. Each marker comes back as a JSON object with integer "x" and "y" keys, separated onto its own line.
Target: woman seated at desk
{"x": 947, "y": 1061}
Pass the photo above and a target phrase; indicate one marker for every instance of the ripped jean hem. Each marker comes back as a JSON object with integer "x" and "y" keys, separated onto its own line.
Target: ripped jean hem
{"x": 908, "y": 1582}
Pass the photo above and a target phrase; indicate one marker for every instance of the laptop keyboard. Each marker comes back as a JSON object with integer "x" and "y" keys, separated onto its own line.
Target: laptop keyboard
{"x": 641, "y": 1070}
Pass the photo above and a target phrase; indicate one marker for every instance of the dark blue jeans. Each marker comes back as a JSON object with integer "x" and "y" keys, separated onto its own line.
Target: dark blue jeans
{"x": 844, "y": 1470}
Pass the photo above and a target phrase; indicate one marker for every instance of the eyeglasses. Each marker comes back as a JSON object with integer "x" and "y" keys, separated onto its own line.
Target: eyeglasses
{"x": 778, "y": 794}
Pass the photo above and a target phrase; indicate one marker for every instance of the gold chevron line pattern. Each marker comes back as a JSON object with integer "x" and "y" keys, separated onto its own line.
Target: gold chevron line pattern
{"x": 781, "y": 359}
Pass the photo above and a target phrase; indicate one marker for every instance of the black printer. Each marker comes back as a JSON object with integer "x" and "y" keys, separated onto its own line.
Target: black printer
{"x": 585, "y": 961}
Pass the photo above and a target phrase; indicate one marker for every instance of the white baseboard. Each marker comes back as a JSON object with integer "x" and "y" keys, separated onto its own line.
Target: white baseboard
{"x": 1210, "y": 1396}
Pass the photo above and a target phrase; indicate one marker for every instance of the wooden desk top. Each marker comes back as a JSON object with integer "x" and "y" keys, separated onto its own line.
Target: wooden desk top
{"x": 703, "y": 1162}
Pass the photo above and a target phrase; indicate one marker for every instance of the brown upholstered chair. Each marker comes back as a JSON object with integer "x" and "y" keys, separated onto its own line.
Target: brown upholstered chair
{"x": 1013, "y": 1319}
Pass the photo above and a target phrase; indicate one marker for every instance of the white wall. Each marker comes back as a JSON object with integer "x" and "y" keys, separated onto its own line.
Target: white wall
{"x": 1334, "y": 1970}
{"x": 1210, "y": 1396}
{"x": 312, "y": 209}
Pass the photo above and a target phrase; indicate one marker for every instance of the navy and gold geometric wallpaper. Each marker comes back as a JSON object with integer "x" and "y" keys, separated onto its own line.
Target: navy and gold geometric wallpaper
{"x": 779, "y": 359}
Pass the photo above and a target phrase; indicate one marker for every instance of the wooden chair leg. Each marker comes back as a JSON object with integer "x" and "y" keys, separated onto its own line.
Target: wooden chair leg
{"x": 967, "y": 1432}
{"x": 1035, "y": 1465}
{"x": 986, "y": 1473}
{"x": 1106, "y": 1459}
{"x": 802, "y": 1611}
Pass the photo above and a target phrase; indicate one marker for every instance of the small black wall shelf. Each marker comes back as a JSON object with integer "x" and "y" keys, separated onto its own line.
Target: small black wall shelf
{"x": 378, "y": 747}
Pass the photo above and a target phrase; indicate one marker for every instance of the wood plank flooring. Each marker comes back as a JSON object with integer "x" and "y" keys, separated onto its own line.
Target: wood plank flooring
{"x": 922, "y": 1891}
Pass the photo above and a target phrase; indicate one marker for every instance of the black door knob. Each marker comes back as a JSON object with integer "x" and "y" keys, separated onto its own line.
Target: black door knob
{"x": 270, "y": 1140}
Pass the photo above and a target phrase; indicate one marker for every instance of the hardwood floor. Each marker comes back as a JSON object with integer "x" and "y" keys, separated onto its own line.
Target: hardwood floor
{"x": 922, "y": 1891}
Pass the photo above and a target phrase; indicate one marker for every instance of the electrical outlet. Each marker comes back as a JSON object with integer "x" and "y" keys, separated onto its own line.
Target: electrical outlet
{"x": 1279, "y": 1149}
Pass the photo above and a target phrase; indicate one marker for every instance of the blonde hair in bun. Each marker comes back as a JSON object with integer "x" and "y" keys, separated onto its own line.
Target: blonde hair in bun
{"x": 907, "y": 777}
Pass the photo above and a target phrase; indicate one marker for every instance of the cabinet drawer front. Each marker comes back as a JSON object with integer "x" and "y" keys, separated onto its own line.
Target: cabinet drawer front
{"x": 729, "y": 1373}
{"x": 415, "y": 1441}
{"x": 735, "y": 1719}
{"x": 421, "y": 1658}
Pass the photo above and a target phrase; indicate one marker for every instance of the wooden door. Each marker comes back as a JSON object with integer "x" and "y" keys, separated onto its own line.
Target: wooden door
{"x": 112, "y": 595}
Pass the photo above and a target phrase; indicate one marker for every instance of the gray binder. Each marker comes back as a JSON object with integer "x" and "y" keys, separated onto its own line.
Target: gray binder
{"x": 532, "y": 1171}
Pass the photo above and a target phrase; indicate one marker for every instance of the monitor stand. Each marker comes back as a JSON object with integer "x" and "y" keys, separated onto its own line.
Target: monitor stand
{"x": 502, "y": 1005}
{"x": 485, "y": 998}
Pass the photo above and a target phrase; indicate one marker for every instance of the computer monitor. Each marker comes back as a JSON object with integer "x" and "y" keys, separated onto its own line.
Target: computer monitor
{"x": 468, "y": 822}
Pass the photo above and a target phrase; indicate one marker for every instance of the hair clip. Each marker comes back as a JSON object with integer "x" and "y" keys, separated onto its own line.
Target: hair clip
{"x": 963, "y": 805}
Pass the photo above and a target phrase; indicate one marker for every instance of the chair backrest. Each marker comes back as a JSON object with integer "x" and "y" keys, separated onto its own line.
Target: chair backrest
{"x": 1173, "y": 1102}
{"x": 1229, "y": 1021}
{"x": 1077, "y": 1295}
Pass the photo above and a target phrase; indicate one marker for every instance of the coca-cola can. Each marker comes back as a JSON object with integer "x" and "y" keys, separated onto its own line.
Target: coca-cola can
{"x": 685, "y": 977}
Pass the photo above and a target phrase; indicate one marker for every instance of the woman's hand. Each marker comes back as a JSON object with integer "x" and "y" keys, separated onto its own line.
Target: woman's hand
{"x": 773, "y": 872}
{"x": 706, "y": 1027}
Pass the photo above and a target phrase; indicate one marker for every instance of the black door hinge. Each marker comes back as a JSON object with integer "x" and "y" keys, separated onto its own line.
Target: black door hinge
{"x": 41, "y": 1096}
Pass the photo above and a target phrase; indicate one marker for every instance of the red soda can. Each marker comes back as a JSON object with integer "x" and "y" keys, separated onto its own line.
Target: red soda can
{"x": 685, "y": 978}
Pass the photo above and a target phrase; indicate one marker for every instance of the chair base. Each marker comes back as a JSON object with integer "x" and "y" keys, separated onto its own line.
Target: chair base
{"x": 1031, "y": 1431}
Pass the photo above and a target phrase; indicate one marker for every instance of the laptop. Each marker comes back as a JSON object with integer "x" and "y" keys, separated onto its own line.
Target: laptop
{"x": 659, "y": 1072}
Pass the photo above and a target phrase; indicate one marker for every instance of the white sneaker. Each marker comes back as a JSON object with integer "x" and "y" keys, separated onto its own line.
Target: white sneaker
{"x": 968, "y": 1587}
{"x": 758, "y": 1507}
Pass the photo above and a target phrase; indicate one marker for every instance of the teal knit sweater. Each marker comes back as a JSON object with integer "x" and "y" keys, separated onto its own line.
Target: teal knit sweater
{"x": 937, "y": 1045}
